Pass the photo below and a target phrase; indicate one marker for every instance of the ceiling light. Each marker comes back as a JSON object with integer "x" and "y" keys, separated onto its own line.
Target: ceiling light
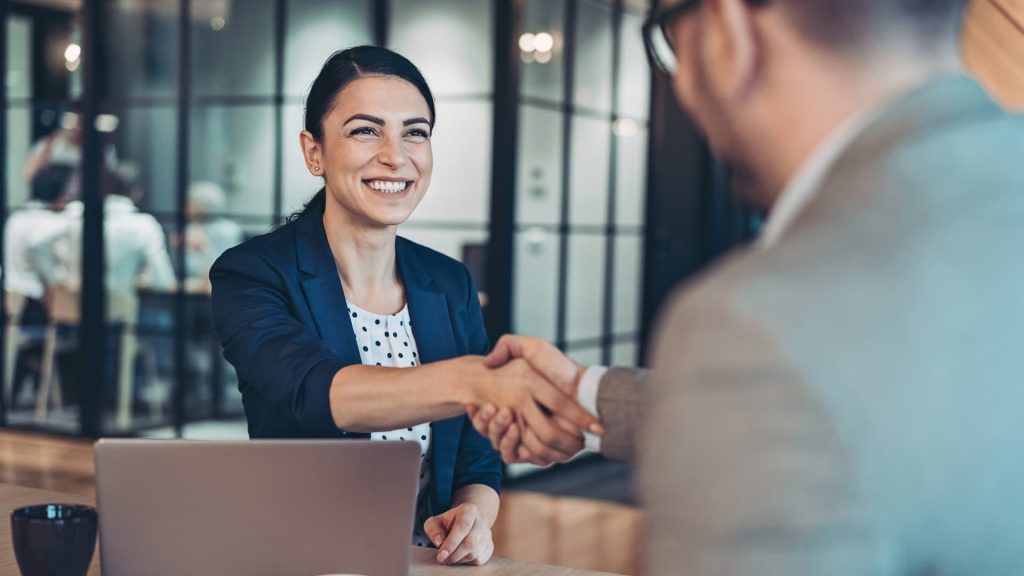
{"x": 543, "y": 42}
{"x": 527, "y": 42}
{"x": 73, "y": 52}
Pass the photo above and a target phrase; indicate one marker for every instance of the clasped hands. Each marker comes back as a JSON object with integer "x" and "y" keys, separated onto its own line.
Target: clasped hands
{"x": 523, "y": 398}
{"x": 528, "y": 409}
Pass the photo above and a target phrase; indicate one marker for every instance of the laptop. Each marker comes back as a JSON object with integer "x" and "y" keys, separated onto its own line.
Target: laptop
{"x": 256, "y": 508}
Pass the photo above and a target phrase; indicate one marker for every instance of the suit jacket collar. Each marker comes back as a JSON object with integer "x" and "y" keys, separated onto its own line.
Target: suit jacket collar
{"x": 428, "y": 307}
{"x": 314, "y": 255}
{"x": 938, "y": 105}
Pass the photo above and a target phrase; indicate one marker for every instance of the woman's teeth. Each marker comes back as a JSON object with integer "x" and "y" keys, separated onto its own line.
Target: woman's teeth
{"x": 386, "y": 186}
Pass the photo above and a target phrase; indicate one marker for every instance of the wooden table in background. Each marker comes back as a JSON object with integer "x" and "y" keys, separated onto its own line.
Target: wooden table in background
{"x": 422, "y": 560}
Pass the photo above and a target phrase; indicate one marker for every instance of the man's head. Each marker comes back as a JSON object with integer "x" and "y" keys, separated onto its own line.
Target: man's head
{"x": 766, "y": 80}
{"x": 204, "y": 198}
{"x": 124, "y": 181}
{"x": 51, "y": 186}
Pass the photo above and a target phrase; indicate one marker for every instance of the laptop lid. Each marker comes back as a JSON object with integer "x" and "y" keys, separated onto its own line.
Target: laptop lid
{"x": 252, "y": 508}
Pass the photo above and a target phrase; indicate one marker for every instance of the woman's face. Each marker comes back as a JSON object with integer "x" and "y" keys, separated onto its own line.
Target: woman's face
{"x": 375, "y": 152}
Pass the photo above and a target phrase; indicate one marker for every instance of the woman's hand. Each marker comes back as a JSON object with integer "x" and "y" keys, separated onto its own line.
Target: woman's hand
{"x": 550, "y": 421}
{"x": 462, "y": 535}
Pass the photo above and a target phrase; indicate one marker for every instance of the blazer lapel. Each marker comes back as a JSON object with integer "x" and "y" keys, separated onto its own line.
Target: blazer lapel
{"x": 322, "y": 288}
{"x": 431, "y": 320}
{"x": 431, "y": 323}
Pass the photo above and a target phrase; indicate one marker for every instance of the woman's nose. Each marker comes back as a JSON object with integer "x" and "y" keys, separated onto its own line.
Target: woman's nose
{"x": 392, "y": 153}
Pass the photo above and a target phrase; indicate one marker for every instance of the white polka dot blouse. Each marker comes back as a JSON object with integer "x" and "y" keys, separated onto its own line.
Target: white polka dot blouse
{"x": 387, "y": 340}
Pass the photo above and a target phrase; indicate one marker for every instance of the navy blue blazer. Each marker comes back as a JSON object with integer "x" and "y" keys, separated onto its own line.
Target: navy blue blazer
{"x": 280, "y": 311}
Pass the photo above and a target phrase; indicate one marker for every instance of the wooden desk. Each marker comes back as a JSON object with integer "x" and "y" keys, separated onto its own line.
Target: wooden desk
{"x": 422, "y": 560}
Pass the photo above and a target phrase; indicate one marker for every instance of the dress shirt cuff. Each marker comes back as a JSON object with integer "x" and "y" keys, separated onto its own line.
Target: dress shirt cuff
{"x": 586, "y": 395}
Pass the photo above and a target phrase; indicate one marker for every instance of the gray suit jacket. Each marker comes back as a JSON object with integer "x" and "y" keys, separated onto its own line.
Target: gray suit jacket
{"x": 850, "y": 401}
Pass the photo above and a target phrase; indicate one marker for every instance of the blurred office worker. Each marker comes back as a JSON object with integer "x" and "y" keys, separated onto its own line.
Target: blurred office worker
{"x": 208, "y": 234}
{"x": 318, "y": 316}
{"x": 63, "y": 148}
{"x": 843, "y": 397}
{"x": 135, "y": 244}
{"x": 40, "y": 218}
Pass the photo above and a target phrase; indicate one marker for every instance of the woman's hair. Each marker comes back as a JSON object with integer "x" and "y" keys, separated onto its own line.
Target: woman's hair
{"x": 340, "y": 70}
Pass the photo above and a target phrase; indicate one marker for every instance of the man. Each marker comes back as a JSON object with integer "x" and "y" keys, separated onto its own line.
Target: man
{"x": 40, "y": 217}
{"x": 135, "y": 244}
{"x": 208, "y": 235}
{"x": 26, "y": 291}
{"x": 844, "y": 397}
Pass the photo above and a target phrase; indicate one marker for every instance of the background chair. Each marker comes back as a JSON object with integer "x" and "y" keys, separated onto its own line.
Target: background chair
{"x": 65, "y": 310}
{"x": 15, "y": 305}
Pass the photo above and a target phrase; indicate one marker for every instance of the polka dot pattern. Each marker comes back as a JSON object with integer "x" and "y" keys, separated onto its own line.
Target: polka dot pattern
{"x": 379, "y": 338}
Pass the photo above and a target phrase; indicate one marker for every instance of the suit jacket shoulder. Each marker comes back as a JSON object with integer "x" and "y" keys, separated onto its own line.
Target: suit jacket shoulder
{"x": 801, "y": 395}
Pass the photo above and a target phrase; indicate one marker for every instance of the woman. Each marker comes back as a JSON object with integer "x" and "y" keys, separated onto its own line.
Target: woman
{"x": 317, "y": 315}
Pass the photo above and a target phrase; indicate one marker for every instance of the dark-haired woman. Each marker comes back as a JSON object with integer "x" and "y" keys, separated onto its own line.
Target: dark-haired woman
{"x": 317, "y": 316}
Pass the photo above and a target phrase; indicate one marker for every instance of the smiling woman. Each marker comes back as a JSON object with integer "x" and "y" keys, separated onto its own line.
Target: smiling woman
{"x": 339, "y": 328}
{"x": 376, "y": 167}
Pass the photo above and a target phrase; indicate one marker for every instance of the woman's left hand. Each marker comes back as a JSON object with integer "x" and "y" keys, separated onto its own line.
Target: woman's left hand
{"x": 461, "y": 535}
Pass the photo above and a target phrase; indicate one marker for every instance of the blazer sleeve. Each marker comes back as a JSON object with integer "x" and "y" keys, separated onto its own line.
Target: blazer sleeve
{"x": 477, "y": 462}
{"x": 271, "y": 350}
{"x": 620, "y": 406}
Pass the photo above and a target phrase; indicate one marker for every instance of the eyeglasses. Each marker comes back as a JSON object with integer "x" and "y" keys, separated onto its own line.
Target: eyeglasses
{"x": 658, "y": 36}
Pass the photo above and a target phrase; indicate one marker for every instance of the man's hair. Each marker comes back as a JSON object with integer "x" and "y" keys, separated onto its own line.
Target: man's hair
{"x": 853, "y": 25}
{"x": 51, "y": 183}
{"x": 123, "y": 179}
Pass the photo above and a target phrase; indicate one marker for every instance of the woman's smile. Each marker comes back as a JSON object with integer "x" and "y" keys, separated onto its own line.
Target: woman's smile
{"x": 390, "y": 188}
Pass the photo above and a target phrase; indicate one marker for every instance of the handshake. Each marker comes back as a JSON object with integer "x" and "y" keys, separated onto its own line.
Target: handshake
{"x": 526, "y": 405}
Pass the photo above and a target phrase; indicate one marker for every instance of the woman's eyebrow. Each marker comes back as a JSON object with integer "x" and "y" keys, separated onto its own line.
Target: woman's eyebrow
{"x": 380, "y": 121}
{"x": 367, "y": 117}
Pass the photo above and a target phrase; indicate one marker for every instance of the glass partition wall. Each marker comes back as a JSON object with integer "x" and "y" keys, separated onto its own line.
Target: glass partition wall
{"x": 581, "y": 177}
{"x": 581, "y": 173}
{"x": 199, "y": 106}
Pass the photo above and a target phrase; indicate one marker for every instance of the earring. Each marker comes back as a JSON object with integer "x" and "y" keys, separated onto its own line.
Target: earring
{"x": 316, "y": 169}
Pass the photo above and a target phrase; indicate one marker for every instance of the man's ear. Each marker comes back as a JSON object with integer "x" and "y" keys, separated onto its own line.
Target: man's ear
{"x": 737, "y": 49}
{"x": 311, "y": 153}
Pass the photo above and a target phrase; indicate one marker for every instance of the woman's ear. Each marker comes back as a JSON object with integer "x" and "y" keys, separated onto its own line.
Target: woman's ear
{"x": 311, "y": 153}
{"x": 738, "y": 51}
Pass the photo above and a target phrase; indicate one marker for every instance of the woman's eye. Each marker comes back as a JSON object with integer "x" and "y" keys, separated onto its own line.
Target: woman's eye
{"x": 417, "y": 133}
{"x": 364, "y": 131}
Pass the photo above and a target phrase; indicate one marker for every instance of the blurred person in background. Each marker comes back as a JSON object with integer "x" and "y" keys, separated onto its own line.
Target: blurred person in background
{"x": 136, "y": 257}
{"x": 63, "y": 147}
{"x": 844, "y": 397}
{"x": 208, "y": 235}
{"x": 39, "y": 219}
{"x": 135, "y": 244}
{"x": 28, "y": 226}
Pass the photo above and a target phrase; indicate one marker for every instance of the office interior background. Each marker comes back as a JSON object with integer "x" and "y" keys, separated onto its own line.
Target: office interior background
{"x": 565, "y": 177}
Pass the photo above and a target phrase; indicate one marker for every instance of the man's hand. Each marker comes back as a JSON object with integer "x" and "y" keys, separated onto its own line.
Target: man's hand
{"x": 461, "y": 535}
{"x": 513, "y": 435}
{"x": 551, "y": 421}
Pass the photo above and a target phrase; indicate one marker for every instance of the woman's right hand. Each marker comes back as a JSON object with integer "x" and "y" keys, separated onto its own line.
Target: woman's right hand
{"x": 550, "y": 421}
{"x": 462, "y": 535}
